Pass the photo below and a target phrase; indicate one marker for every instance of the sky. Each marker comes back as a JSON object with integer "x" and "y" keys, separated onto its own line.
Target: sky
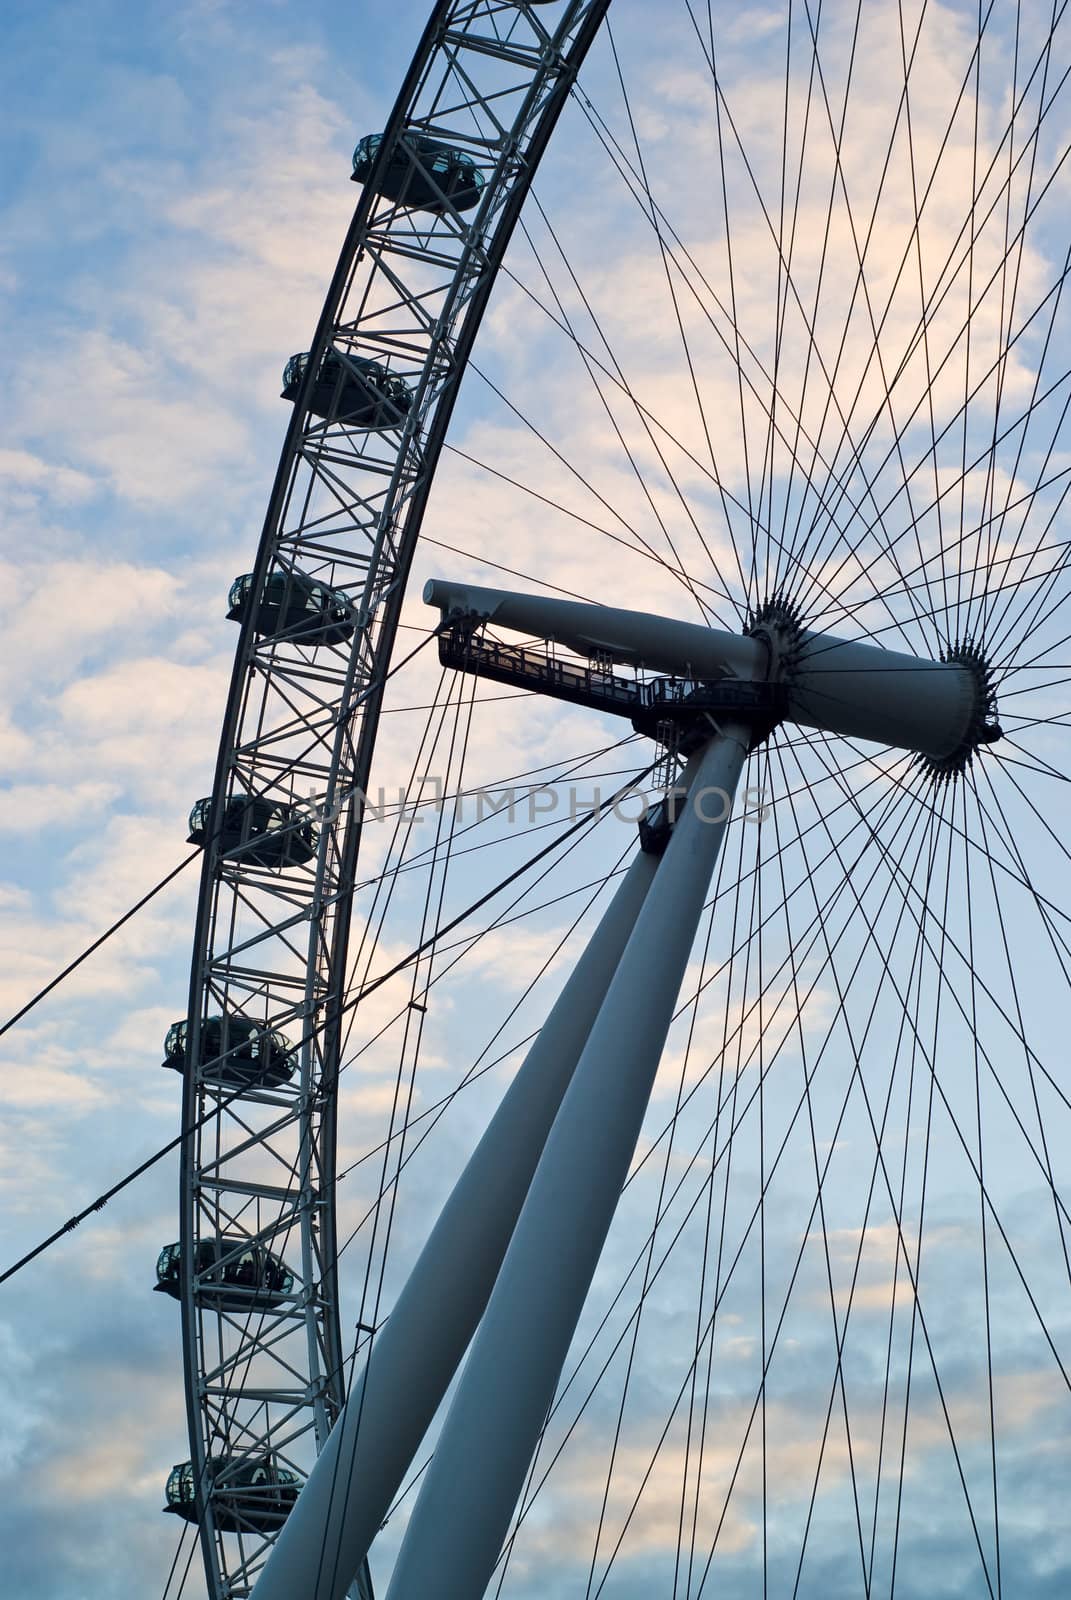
{"x": 175, "y": 192}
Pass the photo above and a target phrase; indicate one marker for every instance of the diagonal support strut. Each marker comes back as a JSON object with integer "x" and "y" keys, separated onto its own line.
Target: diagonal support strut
{"x": 464, "y": 1507}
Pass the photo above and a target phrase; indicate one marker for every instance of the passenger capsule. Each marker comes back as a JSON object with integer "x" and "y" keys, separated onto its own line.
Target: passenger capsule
{"x": 254, "y": 1495}
{"x": 261, "y": 832}
{"x": 350, "y": 389}
{"x": 235, "y": 1051}
{"x": 422, "y": 173}
{"x": 290, "y": 603}
{"x": 230, "y": 1273}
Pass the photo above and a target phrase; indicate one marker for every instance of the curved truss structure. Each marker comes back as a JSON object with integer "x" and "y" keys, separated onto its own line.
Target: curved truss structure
{"x": 265, "y": 1382}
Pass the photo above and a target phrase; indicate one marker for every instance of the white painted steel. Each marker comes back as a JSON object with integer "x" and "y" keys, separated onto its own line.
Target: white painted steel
{"x": 840, "y": 686}
{"x": 636, "y": 638}
{"x": 885, "y": 697}
{"x": 416, "y": 1353}
{"x": 469, "y": 1491}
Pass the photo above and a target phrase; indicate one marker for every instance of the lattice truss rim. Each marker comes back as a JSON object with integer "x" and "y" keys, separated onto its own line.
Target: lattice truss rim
{"x": 408, "y": 294}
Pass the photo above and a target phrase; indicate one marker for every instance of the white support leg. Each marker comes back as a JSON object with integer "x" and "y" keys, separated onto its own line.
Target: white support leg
{"x": 416, "y": 1353}
{"x": 469, "y": 1492}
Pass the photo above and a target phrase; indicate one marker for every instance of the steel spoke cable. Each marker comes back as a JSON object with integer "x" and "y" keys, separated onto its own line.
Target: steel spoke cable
{"x": 935, "y": 306}
{"x": 723, "y": 491}
{"x": 742, "y": 920}
{"x": 1028, "y": 1063}
{"x": 895, "y": 800}
{"x": 921, "y": 327}
{"x": 839, "y": 1332}
{"x": 784, "y": 264}
{"x": 801, "y": 1106}
{"x": 368, "y": 988}
{"x": 999, "y": 627}
{"x": 837, "y": 136}
{"x": 1055, "y": 838}
{"x": 917, "y": 235}
{"x": 408, "y": 809}
{"x": 916, "y": 1273}
{"x": 846, "y": 609}
{"x": 479, "y": 1066}
{"x": 969, "y": 908}
{"x": 924, "y": 844}
{"x": 1011, "y": 428}
{"x": 606, "y": 137}
{"x": 914, "y": 980}
{"x": 653, "y": 212}
{"x": 291, "y": 766}
{"x": 1012, "y": 586}
{"x": 649, "y": 1253}
{"x": 97, "y": 942}
{"x": 1038, "y": 623}
{"x": 706, "y": 1232}
{"x": 180, "y": 1591}
{"x": 430, "y": 923}
{"x": 467, "y": 943}
{"x": 1040, "y": 903}
{"x": 426, "y": 925}
{"x": 734, "y": 323}
{"x": 917, "y": 1314}
{"x": 784, "y": 274}
{"x": 921, "y": 915}
{"x": 1028, "y": 624}
{"x": 961, "y": 229}
{"x": 679, "y": 1012}
{"x": 843, "y": 608}
{"x": 810, "y": 323}
{"x": 389, "y": 875}
{"x": 1043, "y": 905}
{"x": 1018, "y": 268}
{"x": 642, "y": 545}
{"x": 736, "y": 1260}
{"x": 922, "y": 565}
{"x": 762, "y": 1034}
{"x": 617, "y": 376}
{"x": 756, "y": 912}
{"x": 174, "y": 1565}
{"x": 901, "y": 798}
{"x": 1035, "y": 404}
{"x": 929, "y": 846}
{"x": 972, "y": 236}
{"x": 1001, "y": 826}
{"x": 1004, "y": 310}
{"x": 575, "y": 516}
{"x": 405, "y": 819}
{"x": 720, "y": 1280}
{"x": 629, "y": 454}
{"x": 896, "y": 622}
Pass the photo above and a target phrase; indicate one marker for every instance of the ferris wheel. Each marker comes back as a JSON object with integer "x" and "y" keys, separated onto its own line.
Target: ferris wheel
{"x": 761, "y": 1264}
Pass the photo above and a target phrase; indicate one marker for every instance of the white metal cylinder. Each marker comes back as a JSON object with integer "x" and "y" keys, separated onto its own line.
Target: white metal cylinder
{"x": 637, "y": 638}
{"x": 469, "y": 1491}
{"x": 841, "y": 686}
{"x": 417, "y": 1351}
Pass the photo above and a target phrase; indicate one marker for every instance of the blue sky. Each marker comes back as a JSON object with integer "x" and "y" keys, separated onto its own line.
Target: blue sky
{"x": 175, "y": 190}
